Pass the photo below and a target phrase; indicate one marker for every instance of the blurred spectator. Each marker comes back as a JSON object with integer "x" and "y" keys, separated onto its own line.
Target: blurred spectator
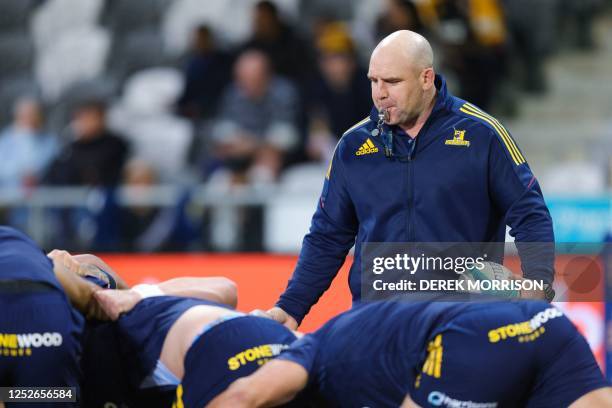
{"x": 581, "y": 13}
{"x": 207, "y": 72}
{"x": 533, "y": 38}
{"x": 290, "y": 55}
{"x": 135, "y": 220}
{"x": 399, "y": 15}
{"x": 473, "y": 34}
{"x": 340, "y": 96}
{"x": 257, "y": 120}
{"x": 25, "y": 148}
{"x": 95, "y": 157}
{"x": 142, "y": 227}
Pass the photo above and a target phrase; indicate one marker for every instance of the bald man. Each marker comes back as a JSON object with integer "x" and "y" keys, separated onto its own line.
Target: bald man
{"x": 423, "y": 166}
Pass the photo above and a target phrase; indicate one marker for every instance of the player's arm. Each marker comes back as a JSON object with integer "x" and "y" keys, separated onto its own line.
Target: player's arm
{"x": 324, "y": 249}
{"x": 517, "y": 194}
{"x": 277, "y": 382}
{"x": 216, "y": 289}
{"x": 600, "y": 398}
{"x": 80, "y": 291}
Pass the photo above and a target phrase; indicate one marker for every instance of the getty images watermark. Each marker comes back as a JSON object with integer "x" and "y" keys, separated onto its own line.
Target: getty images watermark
{"x": 475, "y": 274}
{"x": 391, "y": 270}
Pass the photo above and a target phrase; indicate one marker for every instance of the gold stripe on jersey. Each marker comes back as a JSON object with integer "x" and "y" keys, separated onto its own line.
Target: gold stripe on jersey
{"x": 178, "y": 403}
{"x": 433, "y": 363}
{"x": 517, "y": 157}
{"x": 508, "y": 137}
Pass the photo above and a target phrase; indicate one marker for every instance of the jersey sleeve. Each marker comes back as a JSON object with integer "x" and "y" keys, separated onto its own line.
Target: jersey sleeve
{"x": 517, "y": 194}
{"x": 324, "y": 249}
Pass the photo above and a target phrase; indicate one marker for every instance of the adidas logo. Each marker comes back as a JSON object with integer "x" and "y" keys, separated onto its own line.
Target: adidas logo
{"x": 367, "y": 148}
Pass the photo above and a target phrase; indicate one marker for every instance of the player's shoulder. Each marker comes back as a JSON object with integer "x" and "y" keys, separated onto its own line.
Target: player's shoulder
{"x": 477, "y": 118}
{"x": 487, "y": 126}
{"x": 358, "y": 128}
{"x": 356, "y": 135}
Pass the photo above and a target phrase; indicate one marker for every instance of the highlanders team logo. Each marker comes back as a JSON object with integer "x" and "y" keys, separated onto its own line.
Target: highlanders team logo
{"x": 457, "y": 139}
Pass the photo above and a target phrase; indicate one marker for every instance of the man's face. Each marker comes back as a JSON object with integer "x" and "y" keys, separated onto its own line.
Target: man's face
{"x": 28, "y": 115}
{"x": 252, "y": 74}
{"x": 396, "y": 86}
{"x": 88, "y": 123}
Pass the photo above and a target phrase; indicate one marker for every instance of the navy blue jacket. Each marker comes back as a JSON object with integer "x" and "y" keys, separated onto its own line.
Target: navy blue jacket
{"x": 462, "y": 179}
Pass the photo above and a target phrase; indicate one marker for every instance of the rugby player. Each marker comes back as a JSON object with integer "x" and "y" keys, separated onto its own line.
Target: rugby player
{"x": 160, "y": 341}
{"x": 39, "y": 330}
{"x": 121, "y": 361}
{"x": 444, "y": 354}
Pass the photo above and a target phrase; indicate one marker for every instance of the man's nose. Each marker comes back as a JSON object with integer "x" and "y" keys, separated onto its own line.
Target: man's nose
{"x": 381, "y": 92}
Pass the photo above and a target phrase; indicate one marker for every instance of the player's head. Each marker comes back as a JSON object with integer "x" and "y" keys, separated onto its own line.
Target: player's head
{"x": 402, "y": 76}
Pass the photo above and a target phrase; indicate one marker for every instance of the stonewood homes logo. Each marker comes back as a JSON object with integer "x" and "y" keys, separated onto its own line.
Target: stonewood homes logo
{"x": 18, "y": 345}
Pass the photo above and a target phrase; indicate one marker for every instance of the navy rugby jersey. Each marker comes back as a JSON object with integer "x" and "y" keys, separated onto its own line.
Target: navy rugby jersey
{"x": 118, "y": 356}
{"x": 22, "y": 259}
{"x": 444, "y": 351}
{"x": 371, "y": 369}
{"x": 462, "y": 179}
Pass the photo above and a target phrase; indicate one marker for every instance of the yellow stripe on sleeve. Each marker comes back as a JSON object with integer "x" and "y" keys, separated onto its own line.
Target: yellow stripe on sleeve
{"x": 517, "y": 157}
{"x": 503, "y": 129}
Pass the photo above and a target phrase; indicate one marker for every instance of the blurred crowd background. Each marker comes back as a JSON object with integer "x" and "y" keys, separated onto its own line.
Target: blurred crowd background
{"x": 190, "y": 125}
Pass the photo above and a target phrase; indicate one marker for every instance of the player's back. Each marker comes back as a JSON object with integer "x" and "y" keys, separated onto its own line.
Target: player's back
{"x": 38, "y": 328}
{"x": 22, "y": 260}
{"x": 370, "y": 354}
{"x": 120, "y": 359}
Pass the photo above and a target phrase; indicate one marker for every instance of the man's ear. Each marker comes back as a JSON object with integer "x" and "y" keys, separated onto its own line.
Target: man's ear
{"x": 428, "y": 77}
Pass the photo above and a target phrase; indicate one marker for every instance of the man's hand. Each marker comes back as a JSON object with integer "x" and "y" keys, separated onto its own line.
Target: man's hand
{"x": 282, "y": 317}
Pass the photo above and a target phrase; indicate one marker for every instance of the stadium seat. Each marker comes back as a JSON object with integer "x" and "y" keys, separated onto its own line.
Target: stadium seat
{"x": 136, "y": 51}
{"x": 162, "y": 140}
{"x": 295, "y": 202}
{"x": 14, "y": 15}
{"x": 77, "y": 55}
{"x": 17, "y": 54}
{"x": 57, "y": 16}
{"x": 152, "y": 91}
{"x": 183, "y": 16}
{"x": 126, "y": 16}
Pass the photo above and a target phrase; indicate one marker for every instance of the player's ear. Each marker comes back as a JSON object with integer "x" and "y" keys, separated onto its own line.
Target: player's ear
{"x": 427, "y": 78}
